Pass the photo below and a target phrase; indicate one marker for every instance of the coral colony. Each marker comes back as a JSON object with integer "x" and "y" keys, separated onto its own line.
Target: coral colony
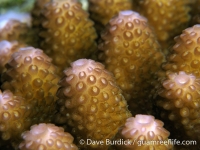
{"x": 120, "y": 75}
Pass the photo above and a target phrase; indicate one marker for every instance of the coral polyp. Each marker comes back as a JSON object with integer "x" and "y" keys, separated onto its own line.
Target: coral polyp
{"x": 47, "y": 136}
{"x": 6, "y": 50}
{"x": 15, "y": 30}
{"x": 12, "y": 114}
{"x": 174, "y": 17}
{"x": 180, "y": 100}
{"x": 91, "y": 102}
{"x": 100, "y": 13}
{"x": 66, "y": 27}
{"x": 89, "y": 68}
{"x": 130, "y": 50}
{"x": 31, "y": 75}
{"x": 143, "y": 129}
{"x": 185, "y": 54}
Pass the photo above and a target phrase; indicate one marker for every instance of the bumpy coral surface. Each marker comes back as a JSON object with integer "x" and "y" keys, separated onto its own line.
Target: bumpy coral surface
{"x": 39, "y": 5}
{"x": 101, "y": 11}
{"x": 185, "y": 54}
{"x": 12, "y": 29}
{"x": 31, "y": 75}
{"x": 6, "y": 50}
{"x": 47, "y": 137}
{"x": 167, "y": 17}
{"x": 131, "y": 52}
{"x": 12, "y": 114}
{"x": 142, "y": 131}
{"x": 68, "y": 33}
{"x": 181, "y": 100}
{"x": 91, "y": 103}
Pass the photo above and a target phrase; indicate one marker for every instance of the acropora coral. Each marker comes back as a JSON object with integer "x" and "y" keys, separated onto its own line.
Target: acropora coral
{"x": 101, "y": 11}
{"x": 180, "y": 94}
{"x": 143, "y": 129}
{"x": 12, "y": 115}
{"x": 66, "y": 27}
{"x": 14, "y": 28}
{"x": 130, "y": 50}
{"x": 167, "y": 17}
{"x": 47, "y": 137}
{"x": 37, "y": 10}
{"x": 31, "y": 75}
{"x": 179, "y": 79}
{"x": 93, "y": 103}
{"x": 6, "y": 50}
{"x": 185, "y": 54}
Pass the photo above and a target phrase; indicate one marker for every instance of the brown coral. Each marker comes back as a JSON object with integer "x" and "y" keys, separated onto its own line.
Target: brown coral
{"x": 179, "y": 92}
{"x": 13, "y": 112}
{"x": 31, "y": 75}
{"x": 14, "y": 30}
{"x": 68, "y": 33}
{"x": 47, "y": 136}
{"x": 131, "y": 52}
{"x": 94, "y": 106}
{"x": 144, "y": 132}
{"x": 185, "y": 55}
{"x": 168, "y": 18}
{"x": 6, "y": 50}
{"x": 101, "y": 11}
{"x": 181, "y": 100}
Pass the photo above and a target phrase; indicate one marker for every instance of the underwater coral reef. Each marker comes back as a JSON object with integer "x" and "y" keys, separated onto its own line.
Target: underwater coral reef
{"x": 100, "y": 75}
